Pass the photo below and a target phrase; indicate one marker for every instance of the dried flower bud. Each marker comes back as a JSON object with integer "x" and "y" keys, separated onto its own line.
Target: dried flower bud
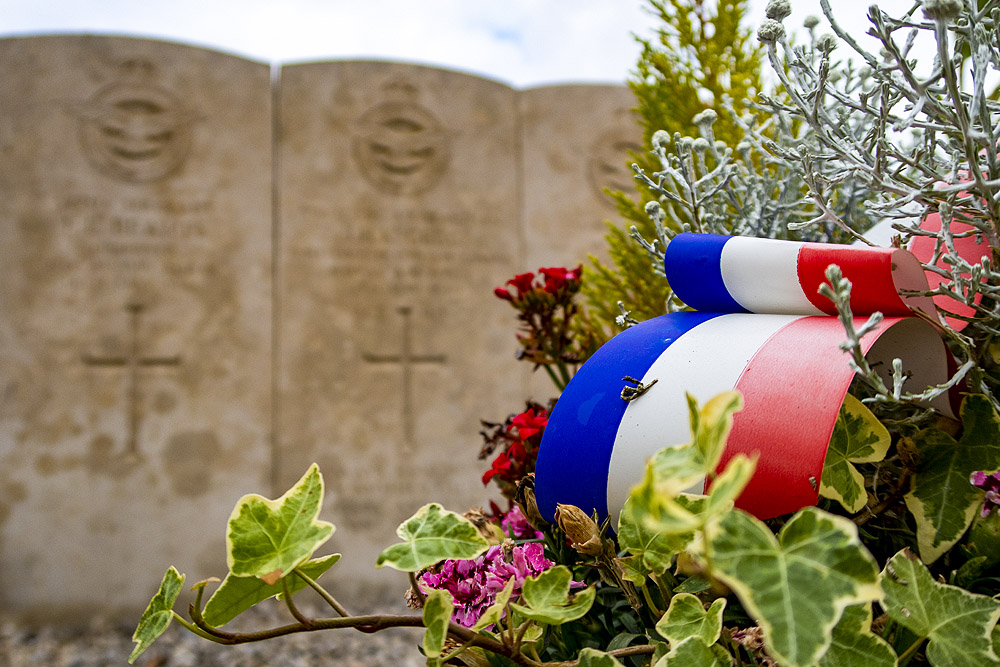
{"x": 661, "y": 139}
{"x": 770, "y": 31}
{"x": 810, "y": 22}
{"x": 778, "y": 9}
{"x": 486, "y": 528}
{"x": 942, "y": 10}
{"x": 581, "y": 529}
{"x": 524, "y": 496}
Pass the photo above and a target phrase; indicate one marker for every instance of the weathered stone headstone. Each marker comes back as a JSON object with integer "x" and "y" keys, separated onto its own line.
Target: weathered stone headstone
{"x": 577, "y": 140}
{"x": 400, "y": 212}
{"x": 135, "y": 312}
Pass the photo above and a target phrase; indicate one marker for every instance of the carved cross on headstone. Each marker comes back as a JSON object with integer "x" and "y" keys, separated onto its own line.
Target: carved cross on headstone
{"x": 407, "y": 360}
{"x": 132, "y": 361}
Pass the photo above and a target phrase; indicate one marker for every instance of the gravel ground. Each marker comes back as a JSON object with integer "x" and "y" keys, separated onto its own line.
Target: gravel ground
{"x": 109, "y": 643}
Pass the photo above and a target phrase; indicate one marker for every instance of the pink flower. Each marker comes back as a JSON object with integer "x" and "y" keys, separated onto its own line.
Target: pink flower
{"x": 516, "y": 526}
{"x": 474, "y": 584}
{"x": 991, "y": 483}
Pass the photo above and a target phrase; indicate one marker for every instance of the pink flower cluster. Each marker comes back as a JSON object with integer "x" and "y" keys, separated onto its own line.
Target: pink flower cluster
{"x": 992, "y": 485}
{"x": 474, "y": 584}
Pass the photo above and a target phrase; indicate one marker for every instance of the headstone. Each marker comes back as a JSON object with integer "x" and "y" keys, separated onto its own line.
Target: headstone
{"x": 577, "y": 141}
{"x": 135, "y": 313}
{"x": 400, "y": 212}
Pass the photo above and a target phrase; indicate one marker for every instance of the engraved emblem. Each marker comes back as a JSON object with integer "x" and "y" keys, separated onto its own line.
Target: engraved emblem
{"x": 135, "y": 131}
{"x": 399, "y": 145}
{"x": 608, "y": 164}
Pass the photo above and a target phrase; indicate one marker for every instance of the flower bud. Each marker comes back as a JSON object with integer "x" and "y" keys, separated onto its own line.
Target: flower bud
{"x": 770, "y": 31}
{"x": 778, "y": 9}
{"x": 581, "y": 529}
{"x": 661, "y": 139}
{"x": 502, "y": 293}
{"x": 524, "y": 496}
{"x": 811, "y": 22}
{"x": 941, "y": 10}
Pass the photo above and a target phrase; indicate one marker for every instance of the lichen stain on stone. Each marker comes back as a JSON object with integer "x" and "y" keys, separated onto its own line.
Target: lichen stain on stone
{"x": 11, "y": 493}
{"x": 104, "y": 458}
{"x": 189, "y": 459}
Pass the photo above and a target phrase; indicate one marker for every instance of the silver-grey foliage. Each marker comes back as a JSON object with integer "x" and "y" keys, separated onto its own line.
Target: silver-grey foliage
{"x": 839, "y": 146}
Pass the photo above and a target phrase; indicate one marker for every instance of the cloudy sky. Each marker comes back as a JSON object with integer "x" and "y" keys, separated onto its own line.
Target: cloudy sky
{"x": 520, "y": 42}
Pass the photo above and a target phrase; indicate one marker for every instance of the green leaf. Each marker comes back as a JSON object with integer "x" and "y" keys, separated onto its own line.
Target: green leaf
{"x": 237, "y": 594}
{"x": 858, "y": 437}
{"x": 796, "y": 585}
{"x": 686, "y": 617}
{"x": 269, "y": 538}
{"x": 160, "y": 611}
{"x": 495, "y": 611}
{"x": 712, "y": 423}
{"x": 694, "y": 652}
{"x": 941, "y": 499}
{"x": 593, "y": 658}
{"x": 652, "y": 549}
{"x": 958, "y": 624}
{"x": 728, "y": 486}
{"x": 547, "y": 599}
{"x": 854, "y": 643}
{"x": 438, "y": 608}
{"x": 431, "y": 535}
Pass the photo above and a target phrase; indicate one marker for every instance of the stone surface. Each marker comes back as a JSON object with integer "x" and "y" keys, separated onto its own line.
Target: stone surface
{"x": 399, "y": 215}
{"x": 577, "y": 140}
{"x": 188, "y": 315}
{"x": 135, "y": 313}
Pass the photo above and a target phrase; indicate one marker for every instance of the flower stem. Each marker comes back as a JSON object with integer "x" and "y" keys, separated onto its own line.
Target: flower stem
{"x": 323, "y": 593}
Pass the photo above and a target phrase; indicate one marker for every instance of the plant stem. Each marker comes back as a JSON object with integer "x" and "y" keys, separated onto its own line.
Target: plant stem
{"x": 905, "y": 655}
{"x": 323, "y": 593}
{"x": 296, "y": 614}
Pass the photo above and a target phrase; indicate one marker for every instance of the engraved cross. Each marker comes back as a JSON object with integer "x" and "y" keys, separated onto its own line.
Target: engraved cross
{"x": 132, "y": 361}
{"x": 407, "y": 359}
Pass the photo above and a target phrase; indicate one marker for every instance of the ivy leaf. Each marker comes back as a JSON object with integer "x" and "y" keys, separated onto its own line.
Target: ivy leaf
{"x": 858, "y": 437}
{"x": 593, "y": 658}
{"x": 958, "y": 624}
{"x": 160, "y": 611}
{"x": 796, "y": 585}
{"x": 237, "y": 594}
{"x": 686, "y": 617}
{"x": 438, "y": 608}
{"x": 941, "y": 499}
{"x": 694, "y": 652}
{"x": 854, "y": 643}
{"x": 431, "y": 535}
{"x": 652, "y": 546}
{"x": 711, "y": 425}
{"x": 547, "y": 598}
{"x": 728, "y": 486}
{"x": 269, "y": 538}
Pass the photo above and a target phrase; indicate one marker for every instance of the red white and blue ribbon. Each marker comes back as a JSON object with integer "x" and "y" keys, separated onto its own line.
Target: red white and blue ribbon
{"x": 789, "y": 367}
{"x": 735, "y": 274}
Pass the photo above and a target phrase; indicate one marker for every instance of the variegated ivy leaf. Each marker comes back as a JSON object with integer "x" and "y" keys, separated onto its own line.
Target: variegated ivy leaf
{"x": 858, "y": 437}
{"x": 941, "y": 499}
{"x": 268, "y": 538}
{"x": 694, "y": 652}
{"x": 796, "y": 584}
{"x": 854, "y": 643}
{"x": 546, "y": 598}
{"x": 237, "y": 594}
{"x": 686, "y": 617}
{"x": 652, "y": 545}
{"x": 710, "y": 426}
{"x": 160, "y": 611}
{"x": 957, "y": 624}
{"x": 431, "y": 535}
{"x": 438, "y": 607}
{"x": 593, "y": 658}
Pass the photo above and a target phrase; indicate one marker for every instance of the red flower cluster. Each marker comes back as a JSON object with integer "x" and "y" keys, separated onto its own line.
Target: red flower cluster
{"x": 555, "y": 280}
{"x": 521, "y": 435}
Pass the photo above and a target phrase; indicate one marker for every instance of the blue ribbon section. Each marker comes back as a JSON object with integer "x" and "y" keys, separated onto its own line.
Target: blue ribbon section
{"x": 575, "y": 453}
{"x": 692, "y": 264}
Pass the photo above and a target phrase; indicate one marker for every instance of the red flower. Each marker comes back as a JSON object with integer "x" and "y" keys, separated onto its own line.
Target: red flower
{"x": 558, "y": 278}
{"x": 522, "y": 282}
{"x": 502, "y": 293}
{"x": 528, "y": 424}
{"x": 501, "y": 466}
